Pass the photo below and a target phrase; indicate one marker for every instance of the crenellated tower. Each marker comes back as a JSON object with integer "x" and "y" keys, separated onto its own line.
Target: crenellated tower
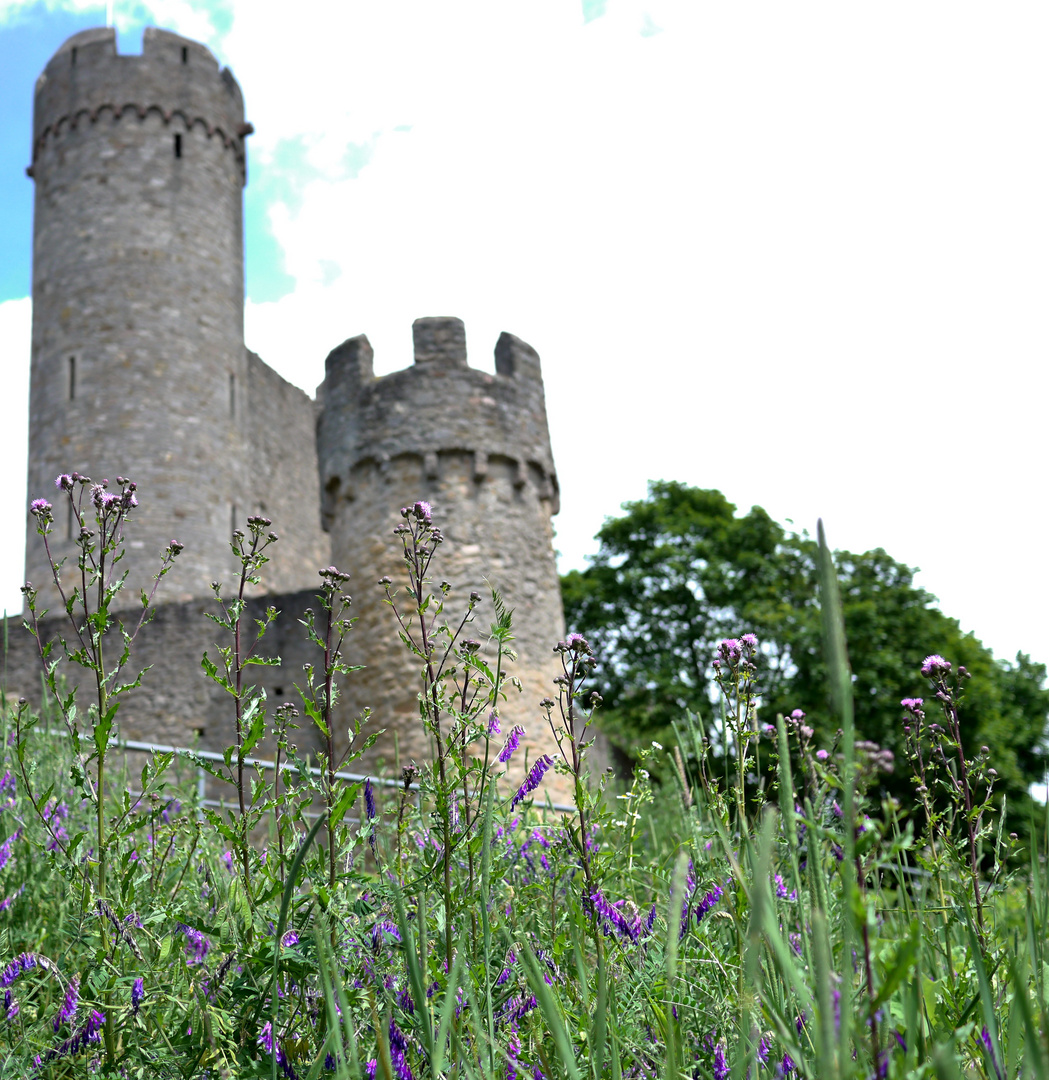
{"x": 474, "y": 445}
{"x": 138, "y": 358}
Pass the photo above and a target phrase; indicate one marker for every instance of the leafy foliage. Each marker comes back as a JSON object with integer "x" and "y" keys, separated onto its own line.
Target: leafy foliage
{"x": 681, "y": 570}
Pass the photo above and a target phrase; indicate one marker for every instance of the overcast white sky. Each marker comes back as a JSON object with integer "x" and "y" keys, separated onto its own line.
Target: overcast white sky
{"x": 794, "y": 251}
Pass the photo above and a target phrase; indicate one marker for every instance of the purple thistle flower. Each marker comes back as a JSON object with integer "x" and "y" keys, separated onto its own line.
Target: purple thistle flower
{"x": 533, "y": 779}
{"x": 933, "y": 666}
{"x": 138, "y": 992}
{"x": 513, "y": 741}
{"x": 369, "y": 800}
{"x": 750, "y": 640}
{"x": 40, "y": 507}
{"x": 423, "y": 511}
{"x": 70, "y": 1002}
{"x": 729, "y": 649}
{"x": 64, "y": 482}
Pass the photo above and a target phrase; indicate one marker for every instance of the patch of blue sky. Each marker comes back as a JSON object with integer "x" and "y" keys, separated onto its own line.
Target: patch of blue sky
{"x": 281, "y": 178}
{"x": 28, "y": 37}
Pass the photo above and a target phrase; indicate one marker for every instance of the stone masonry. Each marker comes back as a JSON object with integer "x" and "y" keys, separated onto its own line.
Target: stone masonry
{"x": 139, "y": 368}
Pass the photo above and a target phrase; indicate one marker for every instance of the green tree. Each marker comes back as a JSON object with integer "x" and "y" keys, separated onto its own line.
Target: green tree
{"x": 681, "y": 570}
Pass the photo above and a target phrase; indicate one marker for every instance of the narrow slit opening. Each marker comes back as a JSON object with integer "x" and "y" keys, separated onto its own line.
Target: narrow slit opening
{"x": 178, "y": 145}
{"x": 233, "y": 395}
{"x": 72, "y": 378}
{"x": 185, "y": 55}
{"x": 72, "y": 57}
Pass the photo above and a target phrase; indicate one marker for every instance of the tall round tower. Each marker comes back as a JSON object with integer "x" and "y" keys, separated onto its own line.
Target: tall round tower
{"x": 138, "y": 358}
{"x": 476, "y": 446}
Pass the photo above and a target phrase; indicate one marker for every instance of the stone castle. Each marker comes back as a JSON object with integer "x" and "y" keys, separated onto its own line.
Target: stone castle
{"x": 139, "y": 368}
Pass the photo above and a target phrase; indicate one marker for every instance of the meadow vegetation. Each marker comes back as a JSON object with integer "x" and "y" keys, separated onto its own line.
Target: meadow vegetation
{"x": 769, "y": 907}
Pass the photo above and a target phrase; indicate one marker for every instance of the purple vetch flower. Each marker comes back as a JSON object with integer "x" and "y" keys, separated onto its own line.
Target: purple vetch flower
{"x": 19, "y": 966}
{"x": 197, "y": 945}
{"x": 708, "y": 902}
{"x": 398, "y": 1045}
{"x": 172, "y": 809}
{"x": 329, "y": 1062}
{"x": 266, "y": 1037}
{"x": 786, "y": 1066}
{"x": 369, "y": 1068}
{"x": 533, "y": 779}
{"x": 11, "y": 1005}
{"x": 513, "y": 741}
{"x": 383, "y": 932}
{"x": 614, "y": 919}
{"x": 369, "y": 800}
{"x": 5, "y": 848}
{"x": 933, "y": 666}
{"x": 290, "y": 938}
{"x": 493, "y": 723}
{"x": 721, "y": 1069}
{"x": 67, "y": 1012}
{"x": 227, "y": 860}
{"x": 138, "y": 992}
{"x": 781, "y": 889}
{"x": 988, "y": 1045}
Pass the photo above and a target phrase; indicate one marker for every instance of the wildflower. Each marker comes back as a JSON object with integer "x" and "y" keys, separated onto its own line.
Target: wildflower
{"x": 369, "y": 1068}
{"x": 369, "y": 800}
{"x": 423, "y": 511}
{"x": 40, "y": 508}
{"x": 289, "y": 939}
{"x": 329, "y": 1062}
{"x": 822, "y": 755}
{"x": 64, "y": 482}
{"x": 266, "y": 1037}
{"x": 988, "y": 1044}
{"x": 729, "y": 649}
{"x": 786, "y": 1065}
{"x": 721, "y": 1069}
{"x": 708, "y": 902}
{"x": 172, "y": 809}
{"x": 933, "y": 666}
{"x": 614, "y": 920}
{"x": 384, "y": 931}
{"x": 18, "y": 966}
{"x": 493, "y": 723}
{"x": 797, "y": 715}
{"x": 533, "y": 779}
{"x": 5, "y": 847}
{"x": 398, "y": 1045}
{"x": 138, "y": 992}
{"x": 781, "y": 889}
{"x": 197, "y": 945}
{"x": 749, "y": 640}
{"x": 513, "y": 741}
{"x": 70, "y": 1002}
{"x": 227, "y": 859}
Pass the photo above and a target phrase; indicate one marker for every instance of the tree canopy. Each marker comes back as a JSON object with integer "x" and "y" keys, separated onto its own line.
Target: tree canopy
{"x": 681, "y": 569}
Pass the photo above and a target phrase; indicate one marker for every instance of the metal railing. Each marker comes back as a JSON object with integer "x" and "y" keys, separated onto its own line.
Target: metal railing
{"x": 265, "y": 764}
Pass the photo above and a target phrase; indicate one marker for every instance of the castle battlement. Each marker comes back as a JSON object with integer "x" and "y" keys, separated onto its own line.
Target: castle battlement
{"x": 439, "y": 407}
{"x": 87, "y": 80}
